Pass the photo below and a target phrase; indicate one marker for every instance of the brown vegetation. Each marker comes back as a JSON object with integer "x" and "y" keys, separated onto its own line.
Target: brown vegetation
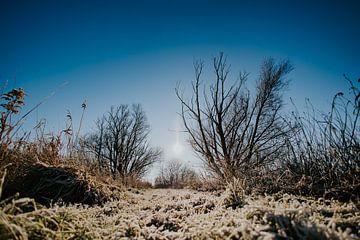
{"x": 50, "y": 184}
{"x": 40, "y": 168}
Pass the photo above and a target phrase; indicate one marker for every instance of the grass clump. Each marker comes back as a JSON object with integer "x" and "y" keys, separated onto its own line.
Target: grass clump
{"x": 23, "y": 218}
{"x": 234, "y": 194}
{"x": 50, "y": 184}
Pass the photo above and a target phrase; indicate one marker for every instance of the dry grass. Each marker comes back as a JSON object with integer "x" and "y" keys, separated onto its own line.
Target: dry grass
{"x": 67, "y": 184}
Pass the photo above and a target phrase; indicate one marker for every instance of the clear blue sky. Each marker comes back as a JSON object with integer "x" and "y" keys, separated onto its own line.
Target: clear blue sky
{"x": 115, "y": 52}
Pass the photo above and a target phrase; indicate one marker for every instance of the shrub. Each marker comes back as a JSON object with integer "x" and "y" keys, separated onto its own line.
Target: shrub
{"x": 234, "y": 133}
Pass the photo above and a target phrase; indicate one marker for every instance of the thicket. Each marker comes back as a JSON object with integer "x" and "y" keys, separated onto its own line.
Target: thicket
{"x": 175, "y": 174}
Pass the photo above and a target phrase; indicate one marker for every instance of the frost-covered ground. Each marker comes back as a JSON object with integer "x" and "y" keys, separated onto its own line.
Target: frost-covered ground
{"x": 175, "y": 214}
{"x": 188, "y": 214}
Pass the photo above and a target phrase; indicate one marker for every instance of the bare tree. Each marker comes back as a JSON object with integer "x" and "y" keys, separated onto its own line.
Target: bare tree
{"x": 121, "y": 142}
{"x": 94, "y": 145}
{"x": 229, "y": 130}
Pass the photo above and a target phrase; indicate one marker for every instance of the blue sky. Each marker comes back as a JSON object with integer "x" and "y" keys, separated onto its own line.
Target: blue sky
{"x": 123, "y": 52}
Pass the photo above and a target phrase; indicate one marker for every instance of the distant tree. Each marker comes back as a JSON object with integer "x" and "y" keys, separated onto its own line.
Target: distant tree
{"x": 232, "y": 132}
{"x": 120, "y": 142}
{"x": 175, "y": 174}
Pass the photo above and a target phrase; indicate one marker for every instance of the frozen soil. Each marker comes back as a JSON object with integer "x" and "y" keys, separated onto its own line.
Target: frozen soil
{"x": 188, "y": 214}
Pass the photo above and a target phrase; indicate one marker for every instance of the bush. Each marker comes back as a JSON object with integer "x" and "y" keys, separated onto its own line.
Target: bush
{"x": 236, "y": 133}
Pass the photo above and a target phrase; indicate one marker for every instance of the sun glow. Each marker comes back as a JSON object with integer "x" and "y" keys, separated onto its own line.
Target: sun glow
{"x": 177, "y": 148}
